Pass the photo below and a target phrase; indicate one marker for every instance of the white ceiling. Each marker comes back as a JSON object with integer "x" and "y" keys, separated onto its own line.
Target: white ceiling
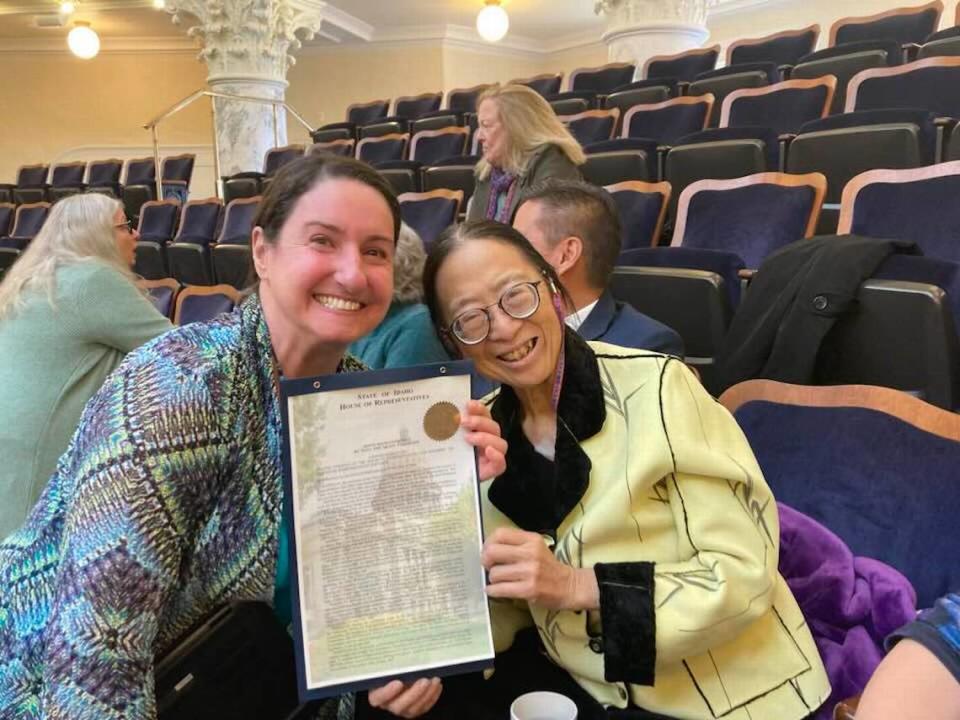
{"x": 532, "y": 22}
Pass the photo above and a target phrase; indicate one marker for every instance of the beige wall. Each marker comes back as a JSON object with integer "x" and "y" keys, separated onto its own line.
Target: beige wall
{"x": 53, "y": 104}
{"x": 464, "y": 68}
{"x": 569, "y": 60}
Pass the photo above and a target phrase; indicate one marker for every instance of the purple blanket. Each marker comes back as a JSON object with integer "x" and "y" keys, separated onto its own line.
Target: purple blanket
{"x": 851, "y": 603}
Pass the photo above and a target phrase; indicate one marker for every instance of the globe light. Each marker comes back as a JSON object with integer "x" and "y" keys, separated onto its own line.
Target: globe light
{"x": 159, "y": 4}
{"x": 67, "y": 7}
{"x": 492, "y": 22}
{"x": 83, "y": 41}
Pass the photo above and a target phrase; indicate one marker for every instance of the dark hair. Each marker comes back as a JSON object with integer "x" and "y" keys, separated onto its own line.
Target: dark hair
{"x": 296, "y": 178}
{"x": 456, "y": 236}
{"x": 574, "y": 208}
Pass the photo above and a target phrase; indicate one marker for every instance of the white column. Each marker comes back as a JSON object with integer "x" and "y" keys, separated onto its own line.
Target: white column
{"x": 247, "y": 47}
{"x": 640, "y": 29}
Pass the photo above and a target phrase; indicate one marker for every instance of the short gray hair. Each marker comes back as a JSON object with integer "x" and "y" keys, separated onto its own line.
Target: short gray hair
{"x": 408, "y": 266}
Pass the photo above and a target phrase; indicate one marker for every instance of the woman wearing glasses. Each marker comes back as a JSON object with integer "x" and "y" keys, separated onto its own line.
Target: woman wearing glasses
{"x": 632, "y": 535}
{"x": 69, "y": 312}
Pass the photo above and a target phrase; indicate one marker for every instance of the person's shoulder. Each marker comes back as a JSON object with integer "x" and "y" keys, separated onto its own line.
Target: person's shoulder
{"x": 197, "y": 349}
{"x": 91, "y": 273}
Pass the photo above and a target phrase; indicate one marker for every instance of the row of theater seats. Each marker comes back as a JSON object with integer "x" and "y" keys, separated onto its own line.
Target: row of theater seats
{"x": 190, "y": 303}
{"x": 42, "y": 184}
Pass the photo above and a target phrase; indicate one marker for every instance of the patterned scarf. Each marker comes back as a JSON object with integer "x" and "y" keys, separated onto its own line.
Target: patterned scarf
{"x": 501, "y": 183}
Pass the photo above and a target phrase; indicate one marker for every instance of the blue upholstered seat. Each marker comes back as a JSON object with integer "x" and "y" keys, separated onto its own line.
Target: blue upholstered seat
{"x": 614, "y": 161}
{"x": 26, "y": 224}
{"x": 427, "y": 147}
{"x": 363, "y": 113}
{"x": 781, "y": 49}
{"x": 593, "y": 128}
{"x": 640, "y": 215}
{"x": 198, "y": 308}
{"x": 890, "y": 490}
{"x": 751, "y": 221}
{"x": 410, "y": 108}
{"x": 783, "y": 107}
{"x": 6, "y": 217}
{"x": 103, "y": 176}
{"x": 920, "y": 84}
{"x": 158, "y": 223}
{"x": 666, "y": 122}
{"x": 602, "y": 79}
{"x": 684, "y": 66}
{"x": 546, "y": 85}
{"x": 901, "y": 28}
{"x": 429, "y": 216}
{"x": 382, "y": 149}
{"x": 66, "y": 179}
{"x": 844, "y": 62}
{"x": 724, "y": 81}
{"x": 188, "y": 256}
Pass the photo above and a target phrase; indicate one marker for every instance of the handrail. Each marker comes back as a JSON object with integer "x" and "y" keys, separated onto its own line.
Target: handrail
{"x": 193, "y": 97}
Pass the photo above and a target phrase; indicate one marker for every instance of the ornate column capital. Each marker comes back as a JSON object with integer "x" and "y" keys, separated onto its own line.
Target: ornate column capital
{"x": 623, "y": 14}
{"x": 249, "y": 39}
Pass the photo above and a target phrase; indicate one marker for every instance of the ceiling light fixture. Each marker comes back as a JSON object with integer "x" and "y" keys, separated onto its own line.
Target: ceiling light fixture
{"x": 83, "y": 41}
{"x": 159, "y": 4}
{"x": 67, "y": 7}
{"x": 492, "y": 22}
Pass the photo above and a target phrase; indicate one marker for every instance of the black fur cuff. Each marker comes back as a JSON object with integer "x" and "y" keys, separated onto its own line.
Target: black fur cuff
{"x": 629, "y": 621}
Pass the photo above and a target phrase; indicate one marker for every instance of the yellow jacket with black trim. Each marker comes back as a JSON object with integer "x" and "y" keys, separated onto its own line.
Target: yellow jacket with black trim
{"x": 654, "y": 486}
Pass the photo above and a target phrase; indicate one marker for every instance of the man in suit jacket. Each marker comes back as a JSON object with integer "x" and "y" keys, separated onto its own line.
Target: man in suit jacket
{"x": 575, "y": 226}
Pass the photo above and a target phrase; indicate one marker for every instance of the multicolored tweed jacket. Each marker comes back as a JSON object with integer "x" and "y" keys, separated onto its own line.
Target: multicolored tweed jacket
{"x": 166, "y": 504}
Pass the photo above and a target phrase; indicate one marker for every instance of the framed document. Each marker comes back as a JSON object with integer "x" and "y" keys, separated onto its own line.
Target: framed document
{"x": 385, "y": 531}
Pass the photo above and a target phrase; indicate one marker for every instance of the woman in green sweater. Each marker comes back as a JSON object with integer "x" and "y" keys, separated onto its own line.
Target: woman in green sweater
{"x": 69, "y": 312}
{"x": 405, "y": 336}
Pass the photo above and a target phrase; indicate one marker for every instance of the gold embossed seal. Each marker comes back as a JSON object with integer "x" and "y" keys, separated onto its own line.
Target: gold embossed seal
{"x": 441, "y": 421}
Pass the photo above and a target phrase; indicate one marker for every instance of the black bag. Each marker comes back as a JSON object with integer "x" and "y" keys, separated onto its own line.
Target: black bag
{"x": 237, "y": 665}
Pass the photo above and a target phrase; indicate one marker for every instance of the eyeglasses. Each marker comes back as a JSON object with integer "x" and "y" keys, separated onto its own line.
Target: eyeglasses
{"x": 519, "y": 301}
{"x": 127, "y": 224}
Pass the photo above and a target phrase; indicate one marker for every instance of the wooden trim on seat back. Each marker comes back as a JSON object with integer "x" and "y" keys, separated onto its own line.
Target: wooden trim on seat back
{"x": 817, "y": 181}
{"x": 149, "y": 203}
{"x": 229, "y": 290}
{"x": 383, "y": 138}
{"x": 608, "y": 113}
{"x": 452, "y": 130}
{"x": 532, "y": 78}
{"x": 430, "y": 194}
{"x": 321, "y": 146}
{"x": 827, "y": 81}
{"x": 689, "y": 53}
{"x": 707, "y": 99}
{"x": 866, "y": 19}
{"x": 664, "y": 188}
{"x": 853, "y": 87}
{"x": 371, "y": 103}
{"x": 895, "y": 403}
{"x": 852, "y": 189}
{"x": 815, "y": 28}
{"x": 600, "y": 68}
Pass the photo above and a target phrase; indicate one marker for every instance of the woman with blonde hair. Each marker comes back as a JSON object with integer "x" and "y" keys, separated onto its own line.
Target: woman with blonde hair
{"x": 69, "y": 312}
{"x": 405, "y": 336}
{"x": 523, "y": 143}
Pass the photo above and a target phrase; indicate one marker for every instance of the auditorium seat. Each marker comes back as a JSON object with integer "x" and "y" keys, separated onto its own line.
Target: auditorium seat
{"x": 727, "y": 265}
{"x": 918, "y": 204}
{"x": 844, "y": 62}
{"x": 333, "y": 132}
{"x": 642, "y": 208}
{"x": 452, "y": 174}
{"x": 231, "y": 256}
{"x": 66, "y": 179}
{"x": 188, "y": 256}
{"x": 430, "y": 213}
{"x": 403, "y": 175}
{"x": 27, "y": 221}
{"x": 603, "y": 79}
{"x": 669, "y": 120}
{"x": 176, "y": 172}
{"x": 943, "y": 43}
{"x": 901, "y": 25}
{"x": 103, "y": 176}
{"x": 251, "y": 183}
{"x": 464, "y": 100}
{"x": 139, "y": 185}
{"x": 156, "y": 227}
{"x": 198, "y": 304}
{"x": 358, "y": 114}
{"x": 429, "y": 146}
{"x": 31, "y": 184}
{"x": 642, "y": 92}
{"x": 7, "y": 211}
{"x": 413, "y": 106}
{"x": 385, "y": 148}
{"x": 619, "y": 160}
{"x": 344, "y": 148}
{"x": 547, "y": 84}
{"x": 720, "y": 154}
{"x": 593, "y": 125}
{"x": 682, "y": 67}
{"x": 783, "y": 49}
{"x": 722, "y": 82}
{"x": 569, "y": 106}
{"x": 953, "y": 145}
{"x": 782, "y": 107}
{"x": 8, "y": 256}
{"x": 162, "y": 292}
{"x": 437, "y": 121}
{"x": 932, "y": 84}
{"x": 751, "y": 216}
{"x": 843, "y": 146}
{"x": 874, "y": 466}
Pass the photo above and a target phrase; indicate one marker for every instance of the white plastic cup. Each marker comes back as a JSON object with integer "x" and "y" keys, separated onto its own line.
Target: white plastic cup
{"x": 543, "y": 705}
